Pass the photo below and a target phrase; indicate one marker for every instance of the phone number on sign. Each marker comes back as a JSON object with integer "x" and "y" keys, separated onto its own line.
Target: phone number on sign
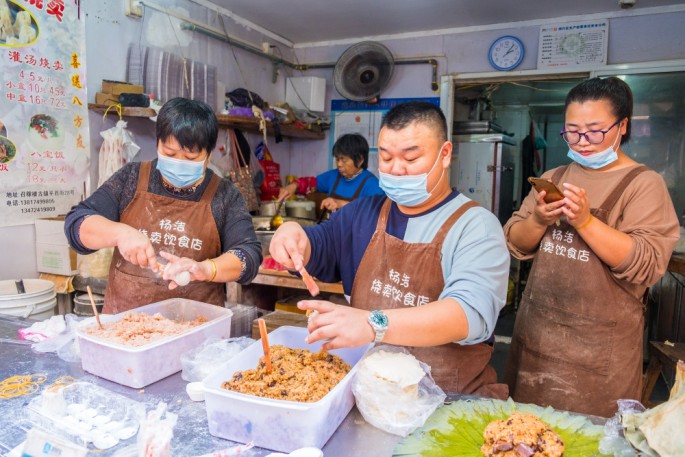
{"x": 46, "y": 209}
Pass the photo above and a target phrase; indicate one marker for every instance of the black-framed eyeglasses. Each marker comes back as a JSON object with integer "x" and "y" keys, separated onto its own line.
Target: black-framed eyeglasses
{"x": 592, "y": 136}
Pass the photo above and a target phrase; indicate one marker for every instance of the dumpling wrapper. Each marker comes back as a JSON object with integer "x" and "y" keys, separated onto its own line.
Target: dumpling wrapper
{"x": 394, "y": 367}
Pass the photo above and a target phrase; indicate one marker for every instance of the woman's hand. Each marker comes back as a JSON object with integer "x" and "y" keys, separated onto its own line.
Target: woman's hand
{"x": 135, "y": 247}
{"x": 576, "y": 205}
{"x": 332, "y": 204}
{"x": 546, "y": 214}
{"x": 199, "y": 271}
{"x": 290, "y": 246}
{"x": 287, "y": 191}
{"x": 342, "y": 326}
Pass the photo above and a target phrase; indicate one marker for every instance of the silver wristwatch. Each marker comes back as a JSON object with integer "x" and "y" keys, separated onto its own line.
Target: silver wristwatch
{"x": 378, "y": 321}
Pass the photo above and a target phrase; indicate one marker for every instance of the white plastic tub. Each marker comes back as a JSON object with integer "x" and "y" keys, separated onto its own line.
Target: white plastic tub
{"x": 37, "y": 303}
{"x": 277, "y": 424}
{"x": 140, "y": 366}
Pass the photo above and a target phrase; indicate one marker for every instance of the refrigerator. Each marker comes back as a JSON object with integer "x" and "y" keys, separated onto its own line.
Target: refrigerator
{"x": 483, "y": 169}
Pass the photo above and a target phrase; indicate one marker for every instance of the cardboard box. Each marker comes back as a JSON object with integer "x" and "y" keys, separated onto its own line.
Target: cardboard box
{"x": 106, "y": 99}
{"x": 118, "y": 87}
{"x": 53, "y": 254}
{"x": 279, "y": 318}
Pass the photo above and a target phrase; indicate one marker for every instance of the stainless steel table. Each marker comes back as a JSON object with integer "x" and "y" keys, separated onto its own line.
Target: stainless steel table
{"x": 191, "y": 435}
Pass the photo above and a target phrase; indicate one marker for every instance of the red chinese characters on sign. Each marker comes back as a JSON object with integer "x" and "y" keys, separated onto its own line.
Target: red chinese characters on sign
{"x": 35, "y": 87}
{"x": 54, "y": 7}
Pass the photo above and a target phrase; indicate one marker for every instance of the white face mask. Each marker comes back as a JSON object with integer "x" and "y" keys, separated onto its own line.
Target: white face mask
{"x": 599, "y": 159}
{"x": 409, "y": 190}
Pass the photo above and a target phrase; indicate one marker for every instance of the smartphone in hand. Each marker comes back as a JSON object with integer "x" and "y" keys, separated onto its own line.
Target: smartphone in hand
{"x": 553, "y": 193}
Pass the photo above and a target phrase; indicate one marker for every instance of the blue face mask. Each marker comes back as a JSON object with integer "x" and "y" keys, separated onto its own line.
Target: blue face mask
{"x": 408, "y": 190}
{"x": 597, "y": 160}
{"x": 180, "y": 173}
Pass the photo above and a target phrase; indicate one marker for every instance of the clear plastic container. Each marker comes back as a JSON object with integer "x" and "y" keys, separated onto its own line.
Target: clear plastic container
{"x": 140, "y": 366}
{"x": 277, "y": 424}
{"x": 87, "y": 413}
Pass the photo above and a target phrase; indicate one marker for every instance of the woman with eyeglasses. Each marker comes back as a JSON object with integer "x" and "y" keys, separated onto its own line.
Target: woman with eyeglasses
{"x": 577, "y": 342}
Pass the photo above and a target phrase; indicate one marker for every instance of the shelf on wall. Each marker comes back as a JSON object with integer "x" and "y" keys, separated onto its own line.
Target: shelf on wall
{"x": 251, "y": 124}
{"x": 126, "y": 111}
{"x": 248, "y": 124}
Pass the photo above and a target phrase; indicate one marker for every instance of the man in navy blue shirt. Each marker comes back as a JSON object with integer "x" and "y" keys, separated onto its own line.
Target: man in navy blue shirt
{"x": 425, "y": 268}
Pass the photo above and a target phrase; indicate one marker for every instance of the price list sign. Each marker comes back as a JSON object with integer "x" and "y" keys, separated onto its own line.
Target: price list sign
{"x": 573, "y": 45}
{"x": 44, "y": 137}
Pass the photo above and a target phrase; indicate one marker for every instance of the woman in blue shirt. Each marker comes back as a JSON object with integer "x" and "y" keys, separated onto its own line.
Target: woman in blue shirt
{"x": 350, "y": 179}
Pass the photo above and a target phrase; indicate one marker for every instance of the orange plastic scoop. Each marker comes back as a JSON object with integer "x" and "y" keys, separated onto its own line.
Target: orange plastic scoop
{"x": 312, "y": 287}
{"x": 265, "y": 344}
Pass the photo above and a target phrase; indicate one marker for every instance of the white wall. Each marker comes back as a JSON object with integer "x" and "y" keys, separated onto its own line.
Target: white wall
{"x": 109, "y": 32}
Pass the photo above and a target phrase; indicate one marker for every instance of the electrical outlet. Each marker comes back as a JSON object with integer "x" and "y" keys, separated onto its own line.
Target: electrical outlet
{"x": 133, "y": 8}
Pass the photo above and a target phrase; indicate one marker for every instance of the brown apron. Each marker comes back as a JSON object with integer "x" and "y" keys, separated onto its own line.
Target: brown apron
{"x": 395, "y": 274}
{"x": 577, "y": 343}
{"x": 347, "y": 199}
{"x": 180, "y": 227}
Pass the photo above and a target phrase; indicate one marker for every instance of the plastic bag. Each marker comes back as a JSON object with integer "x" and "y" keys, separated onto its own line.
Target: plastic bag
{"x": 272, "y": 184}
{"x": 198, "y": 362}
{"x": 394, "y": 391}
{"x": 118, "y": 149}
{"x": 156, "y": 431}
{"x": 65, "y": 344}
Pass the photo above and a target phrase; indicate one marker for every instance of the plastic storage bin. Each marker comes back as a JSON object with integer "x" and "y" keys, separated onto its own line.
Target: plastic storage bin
{"x": 140, "y": 366}
{"x": 277, "y": 424}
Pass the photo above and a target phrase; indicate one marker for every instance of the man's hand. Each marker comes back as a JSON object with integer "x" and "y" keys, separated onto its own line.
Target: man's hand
{"x": 290, "y": 246}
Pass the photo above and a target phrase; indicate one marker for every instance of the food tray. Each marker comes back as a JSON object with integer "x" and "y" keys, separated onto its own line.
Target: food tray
{"x": 87, "y": 413}
{"x": 278, "y": 424}
{"x": 142, "y": 365}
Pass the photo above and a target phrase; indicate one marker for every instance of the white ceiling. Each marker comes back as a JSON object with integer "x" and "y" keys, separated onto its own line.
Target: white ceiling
{"x": 306, "y": 22}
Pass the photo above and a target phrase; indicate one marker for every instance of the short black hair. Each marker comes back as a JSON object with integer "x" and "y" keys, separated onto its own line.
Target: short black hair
{"x": 612, "y": 89}
{"x": 407, "y": 113}
{"x": 354, "y": 146}
{"x": 191, "y": 122}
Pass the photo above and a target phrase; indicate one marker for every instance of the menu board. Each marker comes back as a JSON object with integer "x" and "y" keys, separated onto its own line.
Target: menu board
{"x": 573, "y": 45}
{"x": 44, "y": 137}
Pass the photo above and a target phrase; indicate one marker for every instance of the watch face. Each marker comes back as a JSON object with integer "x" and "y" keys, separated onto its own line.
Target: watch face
{"x": 379, "y": 318}
{"x": 506, "y": 53}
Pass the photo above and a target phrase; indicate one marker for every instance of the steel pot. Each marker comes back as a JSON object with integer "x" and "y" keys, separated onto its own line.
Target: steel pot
{"x": 304, "y": 209}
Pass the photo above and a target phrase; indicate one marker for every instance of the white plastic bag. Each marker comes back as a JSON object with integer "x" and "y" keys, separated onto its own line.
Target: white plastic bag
{"x": 394, "y": 391}
{"x": 156, "y": 432}
{"x": 198, "y": 362}
{"x": 65, "y": 344}
{"x": 118, "y": 149}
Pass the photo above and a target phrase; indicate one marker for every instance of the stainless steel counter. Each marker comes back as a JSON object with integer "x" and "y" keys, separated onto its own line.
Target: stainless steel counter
{"x": 191, "y": 436}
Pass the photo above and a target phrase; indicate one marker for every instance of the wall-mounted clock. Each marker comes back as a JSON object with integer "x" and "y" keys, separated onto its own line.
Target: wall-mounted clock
{"x": 506, "y": 53}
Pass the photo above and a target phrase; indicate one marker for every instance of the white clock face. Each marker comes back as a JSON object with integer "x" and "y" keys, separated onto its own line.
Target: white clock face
{"x": 506, "y": 53}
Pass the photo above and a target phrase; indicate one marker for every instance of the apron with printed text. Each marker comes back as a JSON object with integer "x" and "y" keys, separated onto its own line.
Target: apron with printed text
{"x": 577, "y": 341}
{"x": 347, "y": 199}
{"x": 180, "y": 227}
{"x": 397, "y": 274}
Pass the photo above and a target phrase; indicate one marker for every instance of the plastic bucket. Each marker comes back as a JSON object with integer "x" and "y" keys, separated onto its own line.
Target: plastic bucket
{"x": 38, "y": 302}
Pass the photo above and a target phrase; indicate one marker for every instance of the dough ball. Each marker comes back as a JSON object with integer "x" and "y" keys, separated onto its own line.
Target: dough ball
{"x": 183, "y": 278}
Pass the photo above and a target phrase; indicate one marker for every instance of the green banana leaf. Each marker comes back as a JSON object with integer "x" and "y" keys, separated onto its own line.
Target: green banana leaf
{"x": 456, "y": 429}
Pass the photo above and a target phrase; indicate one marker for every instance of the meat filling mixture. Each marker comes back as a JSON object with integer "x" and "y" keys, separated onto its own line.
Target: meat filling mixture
{"x": 139, "y": 329}
{"x": 296, "y": 375}
{"x": 521, "y": 435}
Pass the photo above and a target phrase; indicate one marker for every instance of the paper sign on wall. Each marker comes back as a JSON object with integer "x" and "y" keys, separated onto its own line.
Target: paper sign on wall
{"x": 573, "y": 45}
{"x": 44, "y": 138}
